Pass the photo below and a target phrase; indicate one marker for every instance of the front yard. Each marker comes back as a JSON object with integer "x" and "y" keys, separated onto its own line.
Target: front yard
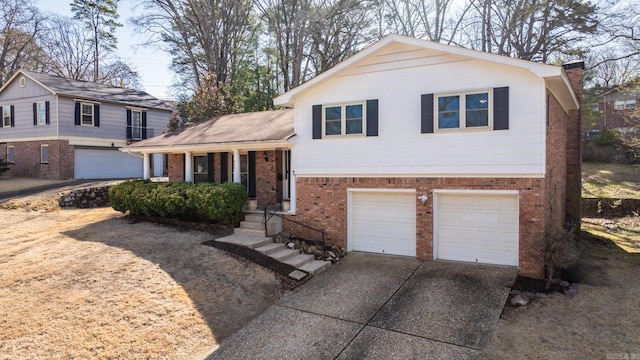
{"x": 80, "y": 284}
{"x": 610, "y": 180}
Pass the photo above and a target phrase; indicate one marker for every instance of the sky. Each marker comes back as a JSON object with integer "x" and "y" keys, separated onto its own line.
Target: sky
{"x": 151, "y": 64}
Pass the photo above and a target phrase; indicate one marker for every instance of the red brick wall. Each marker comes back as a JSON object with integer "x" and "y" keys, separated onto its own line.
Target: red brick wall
{"x": 322, "y": 203}
{"x": 176, "y": 167}
{"x": 267, "y": 181}
{"x": 27, "y": 159}
{"x": 267, "y": 177}
{"x": 556, "y": 179}
{"x": 574, "y": 152}
{"x": 618, "y": 118}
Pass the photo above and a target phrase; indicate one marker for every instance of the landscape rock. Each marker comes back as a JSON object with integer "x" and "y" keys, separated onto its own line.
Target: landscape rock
{"x": 563, "y": 283}
{"x": 520, "y": 300}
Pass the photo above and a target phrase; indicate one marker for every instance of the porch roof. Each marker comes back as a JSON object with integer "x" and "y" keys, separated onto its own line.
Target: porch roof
{"x": 248, "y": 128}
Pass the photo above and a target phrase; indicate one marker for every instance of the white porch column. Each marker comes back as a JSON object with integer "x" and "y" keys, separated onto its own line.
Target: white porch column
{"x": 146, "y": 166}
{"x": 188, "y": 167}
{"x": 236, "y": 166}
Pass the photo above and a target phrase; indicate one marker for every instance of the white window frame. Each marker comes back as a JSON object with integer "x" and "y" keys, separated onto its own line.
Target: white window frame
{"x": 624, "y": 104}
{"x": 93, "y": 115}
{"x": 133, "y": 126}
{"x": 463, "y": 111}
{"x": 11, "y": 154}
{"x": 41, "y": 121}
{"x": 42, "y": 160}
{"x": 4, "y": 118}
{"x": 343, "y": 120}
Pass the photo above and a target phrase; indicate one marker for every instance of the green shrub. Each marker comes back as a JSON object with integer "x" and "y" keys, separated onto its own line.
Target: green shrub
{"x": 202, "y": 202}
{"x": 606, "y": 137}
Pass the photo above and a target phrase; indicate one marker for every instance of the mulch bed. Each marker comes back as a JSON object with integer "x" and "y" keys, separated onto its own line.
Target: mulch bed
{"x": 535, "y": 285}
{"x": 281, "y": 270}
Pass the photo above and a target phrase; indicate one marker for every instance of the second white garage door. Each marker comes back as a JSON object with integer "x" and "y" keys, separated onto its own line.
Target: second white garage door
{"x": 477, "y": 227}
{"x": 383, "y": 222}
{"x": 105, "y": 164}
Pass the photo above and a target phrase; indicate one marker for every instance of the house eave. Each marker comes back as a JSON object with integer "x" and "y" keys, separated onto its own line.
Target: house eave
{"x": 211, "y": 147}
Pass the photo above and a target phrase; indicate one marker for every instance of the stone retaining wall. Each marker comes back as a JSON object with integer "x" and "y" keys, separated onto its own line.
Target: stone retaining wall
{"x": 609, "y": 208}
{"x": 88, "y": 197}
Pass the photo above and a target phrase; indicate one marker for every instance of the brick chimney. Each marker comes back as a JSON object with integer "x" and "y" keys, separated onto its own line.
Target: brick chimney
{"x": 574, "y": 70}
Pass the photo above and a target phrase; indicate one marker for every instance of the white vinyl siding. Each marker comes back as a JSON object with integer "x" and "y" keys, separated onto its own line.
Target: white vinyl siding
{"x": 397, "y": 80}
{"x": 477, "y": 227}
{"x": 382, "y": 222}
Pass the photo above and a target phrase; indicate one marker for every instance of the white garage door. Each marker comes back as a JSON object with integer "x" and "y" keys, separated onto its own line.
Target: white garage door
{"x": 477, "y": 228}
{"x": 383, "y": 222}
{"x": 105, "y": 164}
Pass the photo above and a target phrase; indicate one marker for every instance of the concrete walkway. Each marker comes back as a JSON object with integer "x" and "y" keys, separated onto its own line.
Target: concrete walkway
{"x": 380, "y": 307}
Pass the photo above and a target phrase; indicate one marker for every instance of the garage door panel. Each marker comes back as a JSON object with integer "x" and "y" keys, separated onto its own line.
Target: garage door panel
{"x": 383, "y": 222}
{"x": 477, "y": 228}
{"x": 106, "y": 164}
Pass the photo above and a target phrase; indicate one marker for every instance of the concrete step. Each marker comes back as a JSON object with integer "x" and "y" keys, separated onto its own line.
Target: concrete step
{"x": 253, "y": 232}
{"x": 283, "y": 254}
{"x": 254, "y": 217}
{"x": 251, "y": 225}
{"x": 315, "y": 267}
{"x": 249, "y": 241}
{"x": 299, "y": 260}
{"x": 270, "y": 248}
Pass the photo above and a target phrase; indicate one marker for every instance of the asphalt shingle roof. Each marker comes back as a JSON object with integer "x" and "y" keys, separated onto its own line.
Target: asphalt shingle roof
{"x": 96, "y": 91}
{"x": 260, "y": 126}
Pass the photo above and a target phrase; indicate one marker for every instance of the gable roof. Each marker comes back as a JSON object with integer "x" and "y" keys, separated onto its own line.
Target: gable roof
{"x": 92, "y": 91}
{"x": 224, "y": 131}
{"x": 558, "y": 81}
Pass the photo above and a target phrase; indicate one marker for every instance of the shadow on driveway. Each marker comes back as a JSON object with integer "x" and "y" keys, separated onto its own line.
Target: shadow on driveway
{"x": 380, "y": 307}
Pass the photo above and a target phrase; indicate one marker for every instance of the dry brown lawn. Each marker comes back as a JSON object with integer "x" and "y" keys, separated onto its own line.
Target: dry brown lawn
{"x": 78, "y": 284}
{"x": 601, "y": 322}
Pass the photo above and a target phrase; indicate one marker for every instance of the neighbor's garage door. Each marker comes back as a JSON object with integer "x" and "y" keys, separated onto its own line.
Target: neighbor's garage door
{"x": 477, "y": 227}
{"x": 105, "y": 164}
{"x": 383, "y": 222}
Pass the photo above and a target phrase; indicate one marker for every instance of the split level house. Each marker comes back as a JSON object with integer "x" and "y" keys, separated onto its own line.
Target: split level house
{"x": 617, "y": 107}
{"x": 59, "y": 128}
{"x": 409, "y": 148}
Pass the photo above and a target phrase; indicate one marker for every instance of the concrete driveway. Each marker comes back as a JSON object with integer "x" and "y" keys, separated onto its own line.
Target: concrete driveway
{"x": 380, "y": 307}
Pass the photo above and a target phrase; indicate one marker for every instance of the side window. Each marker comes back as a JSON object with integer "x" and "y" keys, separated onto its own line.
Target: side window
{"x": 11, "y": 155}
{"x": 464, "y": 111}
{"x": 44, "y": 154}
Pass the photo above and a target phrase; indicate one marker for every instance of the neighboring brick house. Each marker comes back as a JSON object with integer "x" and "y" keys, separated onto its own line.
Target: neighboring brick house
{"x": 418, "y": 149}
{"x": 58, "y": 128}
{"x": 618, "y": 108}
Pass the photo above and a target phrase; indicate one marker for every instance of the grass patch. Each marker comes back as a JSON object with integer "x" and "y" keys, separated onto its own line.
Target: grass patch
{"x": 610, "y": 180}
{"x": 624, "y": 232}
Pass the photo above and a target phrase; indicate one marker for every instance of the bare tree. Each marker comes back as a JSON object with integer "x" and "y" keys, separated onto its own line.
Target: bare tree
{"x": 118, "y": 73}
{"x": 204, "y": 36}
{"x": 20, "y": 24}
{"x": 68, "y": 48}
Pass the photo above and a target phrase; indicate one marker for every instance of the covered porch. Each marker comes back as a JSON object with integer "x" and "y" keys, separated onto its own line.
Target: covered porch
{"x": 251, "y": 149}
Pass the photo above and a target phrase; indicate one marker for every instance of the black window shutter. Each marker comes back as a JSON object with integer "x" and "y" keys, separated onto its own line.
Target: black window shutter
{"x": 501, "y": 108}
{"x": 317, "y": 121}
{"x": 77, "y": 113}
{"x": 426, "y": 114}
{"x": 224, "y": 167}
{"x": 144, "y": 125}
{"x": 251, "y": 181}
{"x": 47, "y": 112}
{"x": 372, "y": 117}
{"x": 129, "y": 131}
{"x": 13, "y": 117}
{"x": 1, "y": 120}
{"x": 210, "y": 167}
{"x": 96, "y": 115}
{"x": 35, "y": 114}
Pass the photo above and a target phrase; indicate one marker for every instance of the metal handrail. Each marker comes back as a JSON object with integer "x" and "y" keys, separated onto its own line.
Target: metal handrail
{"x": 271, "y": 214}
